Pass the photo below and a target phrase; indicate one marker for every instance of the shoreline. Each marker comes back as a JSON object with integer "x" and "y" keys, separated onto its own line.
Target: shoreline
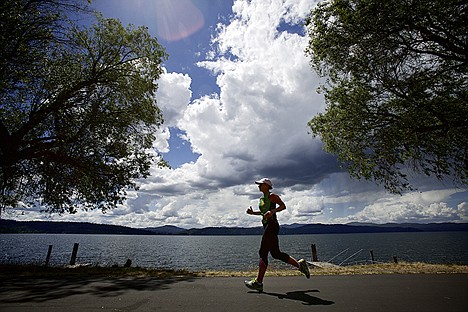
{"x": 26, "y": 270}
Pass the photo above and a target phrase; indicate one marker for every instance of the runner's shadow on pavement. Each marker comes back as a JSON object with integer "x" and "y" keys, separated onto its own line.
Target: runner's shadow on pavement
{"x": 301, "y": 296}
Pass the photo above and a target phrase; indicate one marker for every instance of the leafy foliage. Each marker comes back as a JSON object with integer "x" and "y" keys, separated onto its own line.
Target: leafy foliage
{"x": 78, "y": 114}
{"x": 396, "y": 87}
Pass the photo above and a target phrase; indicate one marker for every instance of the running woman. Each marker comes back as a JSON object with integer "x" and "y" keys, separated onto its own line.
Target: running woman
{"x": 269, "y": 205}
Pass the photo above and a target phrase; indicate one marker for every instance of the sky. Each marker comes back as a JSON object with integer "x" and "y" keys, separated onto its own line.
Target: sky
{"x": 237, "y": 93}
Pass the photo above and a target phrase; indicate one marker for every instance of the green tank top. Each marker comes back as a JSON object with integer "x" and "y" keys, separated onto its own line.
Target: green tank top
{"x": 265, "y": 205}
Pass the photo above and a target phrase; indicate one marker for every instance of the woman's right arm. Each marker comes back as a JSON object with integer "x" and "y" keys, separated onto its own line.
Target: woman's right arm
{"x": 250, "y": 211}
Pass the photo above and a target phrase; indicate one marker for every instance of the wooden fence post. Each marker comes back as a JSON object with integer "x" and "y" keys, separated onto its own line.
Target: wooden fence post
{"x": 128, "y": 263}
{"x": 49, "y": 251}
{"x": 314, "y": 252}
{"x": 74, "y": 253}
{"x": 372, "y": 256}
{"x": 395, "y": 259}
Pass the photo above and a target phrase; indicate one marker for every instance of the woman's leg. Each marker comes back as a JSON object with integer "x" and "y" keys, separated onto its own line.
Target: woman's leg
{"x": 293, "y": 262}
{"x": 265, "y": 247}
{"x": 277, "y": 253}
{"x": 262, "y": 267}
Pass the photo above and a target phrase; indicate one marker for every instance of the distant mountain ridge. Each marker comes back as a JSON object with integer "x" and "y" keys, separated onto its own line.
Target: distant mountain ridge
{"x": 296, "y": 229}
{"x": 165, "y": 230}
{"x": 52, "y": 227}
{"x": 12, "y": 226}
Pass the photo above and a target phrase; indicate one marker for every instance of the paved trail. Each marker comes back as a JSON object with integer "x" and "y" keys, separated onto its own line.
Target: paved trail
{"x": 364, "y": 293}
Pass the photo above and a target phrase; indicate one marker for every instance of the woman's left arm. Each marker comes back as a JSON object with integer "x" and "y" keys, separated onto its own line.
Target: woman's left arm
{"x": 277, "y": 200}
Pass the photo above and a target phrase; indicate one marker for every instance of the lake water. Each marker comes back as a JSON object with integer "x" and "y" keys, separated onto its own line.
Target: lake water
{"x": 197, "y": 253}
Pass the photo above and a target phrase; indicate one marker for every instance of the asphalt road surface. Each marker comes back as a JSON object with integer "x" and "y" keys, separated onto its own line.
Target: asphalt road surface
{"x": 364, "y": 293}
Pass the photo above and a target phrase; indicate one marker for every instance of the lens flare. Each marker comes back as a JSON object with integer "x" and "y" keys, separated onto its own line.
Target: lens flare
{"x": 176, "y": 20}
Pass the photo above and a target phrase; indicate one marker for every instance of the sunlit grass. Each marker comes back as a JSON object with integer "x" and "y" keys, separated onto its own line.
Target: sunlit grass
{"x": 381, "y": 268}
{"x": 19, "y": 270}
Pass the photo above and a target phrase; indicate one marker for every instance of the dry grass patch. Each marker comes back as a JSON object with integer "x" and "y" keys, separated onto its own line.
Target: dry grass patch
{"x": 383, "y": 268}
